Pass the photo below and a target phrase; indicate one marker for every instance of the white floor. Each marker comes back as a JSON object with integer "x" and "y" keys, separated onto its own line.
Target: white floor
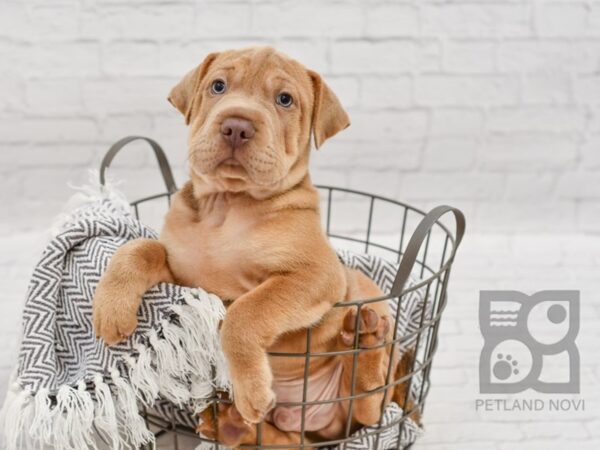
{"x": 528, "y": 263}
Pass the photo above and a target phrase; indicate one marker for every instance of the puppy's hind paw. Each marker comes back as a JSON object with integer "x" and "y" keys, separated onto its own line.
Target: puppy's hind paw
{"x": 229, "y": 428}
{"x": 372, "y": 328}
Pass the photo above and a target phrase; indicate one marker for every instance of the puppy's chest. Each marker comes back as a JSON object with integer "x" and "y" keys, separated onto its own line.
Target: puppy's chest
{"x": 214, "y": 252}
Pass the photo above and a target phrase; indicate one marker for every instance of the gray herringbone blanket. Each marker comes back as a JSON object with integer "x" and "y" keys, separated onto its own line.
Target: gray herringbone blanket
{"x": 69, "y": 388}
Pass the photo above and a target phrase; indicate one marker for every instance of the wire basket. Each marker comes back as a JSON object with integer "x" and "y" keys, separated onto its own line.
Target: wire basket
{"x": 424, "y": 248}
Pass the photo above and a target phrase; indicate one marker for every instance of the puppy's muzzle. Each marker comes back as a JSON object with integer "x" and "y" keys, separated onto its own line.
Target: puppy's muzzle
{"x": 237, "y": 131}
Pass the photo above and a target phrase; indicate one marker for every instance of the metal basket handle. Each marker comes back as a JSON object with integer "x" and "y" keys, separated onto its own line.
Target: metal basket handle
{"x": 161, "y": 158}
{"x": 412, "y": 249}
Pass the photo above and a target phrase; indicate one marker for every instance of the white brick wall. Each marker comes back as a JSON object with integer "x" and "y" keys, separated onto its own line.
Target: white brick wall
{"x": 492, "y": 105}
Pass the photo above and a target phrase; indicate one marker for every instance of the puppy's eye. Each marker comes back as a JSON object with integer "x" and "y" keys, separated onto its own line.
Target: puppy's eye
{"x": 218, "y": 87}
{"x": 284, "y": 99}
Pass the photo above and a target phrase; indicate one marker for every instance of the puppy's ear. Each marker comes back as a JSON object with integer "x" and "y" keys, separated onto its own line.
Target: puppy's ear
{"x": 328, "y": 117}
{"x": 183, "y": 95}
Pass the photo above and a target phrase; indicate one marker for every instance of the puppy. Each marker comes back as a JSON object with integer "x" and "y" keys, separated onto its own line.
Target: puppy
{"x": 246, "y": 226}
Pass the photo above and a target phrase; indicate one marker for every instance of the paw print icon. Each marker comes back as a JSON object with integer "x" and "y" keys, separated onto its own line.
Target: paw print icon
{"x": 529, "y": 342}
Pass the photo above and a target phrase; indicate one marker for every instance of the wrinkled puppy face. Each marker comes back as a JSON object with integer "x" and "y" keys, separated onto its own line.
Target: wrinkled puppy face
{"x": 250, "y": 114}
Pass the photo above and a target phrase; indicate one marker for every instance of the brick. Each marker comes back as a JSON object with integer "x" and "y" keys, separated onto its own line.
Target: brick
{"x": 450, "y": 153}
{"x": 428, "y": 57}
{"x": 467, "y": 186}
{"x": 525, "y": 216}
{"x": 379, "y": 126}
{"x": 593, "y": 18}
{"x": 565, "y": 119}
{"x": 309, "y": 18}
{"x": 70, "y": 59}
{"x": 366, "y": 57}
{"x": 14, "y": 20}
{"x": 54, "y": 22}
{"x": 385, "y": 183}
{"x": 529, "y": 151}
{"x": 130, "y": 95}
{"x": 469, "y": 57}
{"x": 399, "y": 156}
{"x": 162, "y": 21}
{"x": 48, "y": 130}
{"x": 547, "y": 88}
{"x": 56, "y": 96}
{"x": 561, "y": 19}
{"x": 535, "y": 251}
{"x": 594, "y": 120}
{"x": 448, "y": 377}
{"x": 587, "y": 89}
{"x": 217, "y": 19}
{"x": 546, "y": 56}
{"x": 12, "y": 93}
{"x": 14, "y": 58}
{"x": 442, "y": 90}
{"x": 578, "y": 186}
{"x": 386, "y": 92}
{"x": 390, "y": 20}
{"x": 475, "y": 20}
{"x": 590, "y": 152}
{"x": 530, "y": 186}
{"x": 48, "y": 156}
{"x": 346, "y": 89}
{"x": 556, "y": 444}
{"x": 473, "y": 432}
{"x": 456, "y": 121}
{"x": 545, "y": 429}
{"x": 129, "y": 58}
{"x": 11, "y": 184}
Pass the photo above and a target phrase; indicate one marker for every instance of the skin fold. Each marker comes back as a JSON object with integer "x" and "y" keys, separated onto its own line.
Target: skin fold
{"x": 246, "y": 226}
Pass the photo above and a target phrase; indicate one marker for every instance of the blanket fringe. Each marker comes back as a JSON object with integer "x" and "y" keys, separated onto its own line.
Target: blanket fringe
{"x": 88, "y": 194}
{"x": 18, "y": 406}
{"x": 136, "y": 431}
{"x": 105, "y": 414}
{"x": 181, "y": 360}
{"x": 41, "y": 427}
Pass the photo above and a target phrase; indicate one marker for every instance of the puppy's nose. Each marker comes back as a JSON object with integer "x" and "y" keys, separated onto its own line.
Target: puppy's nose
{"x": 237, "y": 131}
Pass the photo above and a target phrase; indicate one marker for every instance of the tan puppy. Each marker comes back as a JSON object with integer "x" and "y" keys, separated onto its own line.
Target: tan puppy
{"x": 246, "y": 227}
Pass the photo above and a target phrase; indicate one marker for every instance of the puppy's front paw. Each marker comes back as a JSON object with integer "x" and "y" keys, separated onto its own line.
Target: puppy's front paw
{"x": 254, "y": 399}
{"x": 114, "y": 313}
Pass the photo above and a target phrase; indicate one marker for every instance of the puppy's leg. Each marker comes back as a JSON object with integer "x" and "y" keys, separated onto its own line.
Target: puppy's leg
{"x": 401, "y": 392}
{"x": 283, "y": 303}
{"x": 134, "y": 268}
{"x": 374, "y": 326}
{"x": 232, "y": 430}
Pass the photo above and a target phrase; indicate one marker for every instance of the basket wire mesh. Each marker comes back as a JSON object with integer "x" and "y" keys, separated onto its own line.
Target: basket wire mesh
{"x": 426, "y": 254}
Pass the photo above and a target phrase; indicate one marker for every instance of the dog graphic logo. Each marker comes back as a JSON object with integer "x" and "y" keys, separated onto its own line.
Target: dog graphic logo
{"x": 529, "y": 342}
